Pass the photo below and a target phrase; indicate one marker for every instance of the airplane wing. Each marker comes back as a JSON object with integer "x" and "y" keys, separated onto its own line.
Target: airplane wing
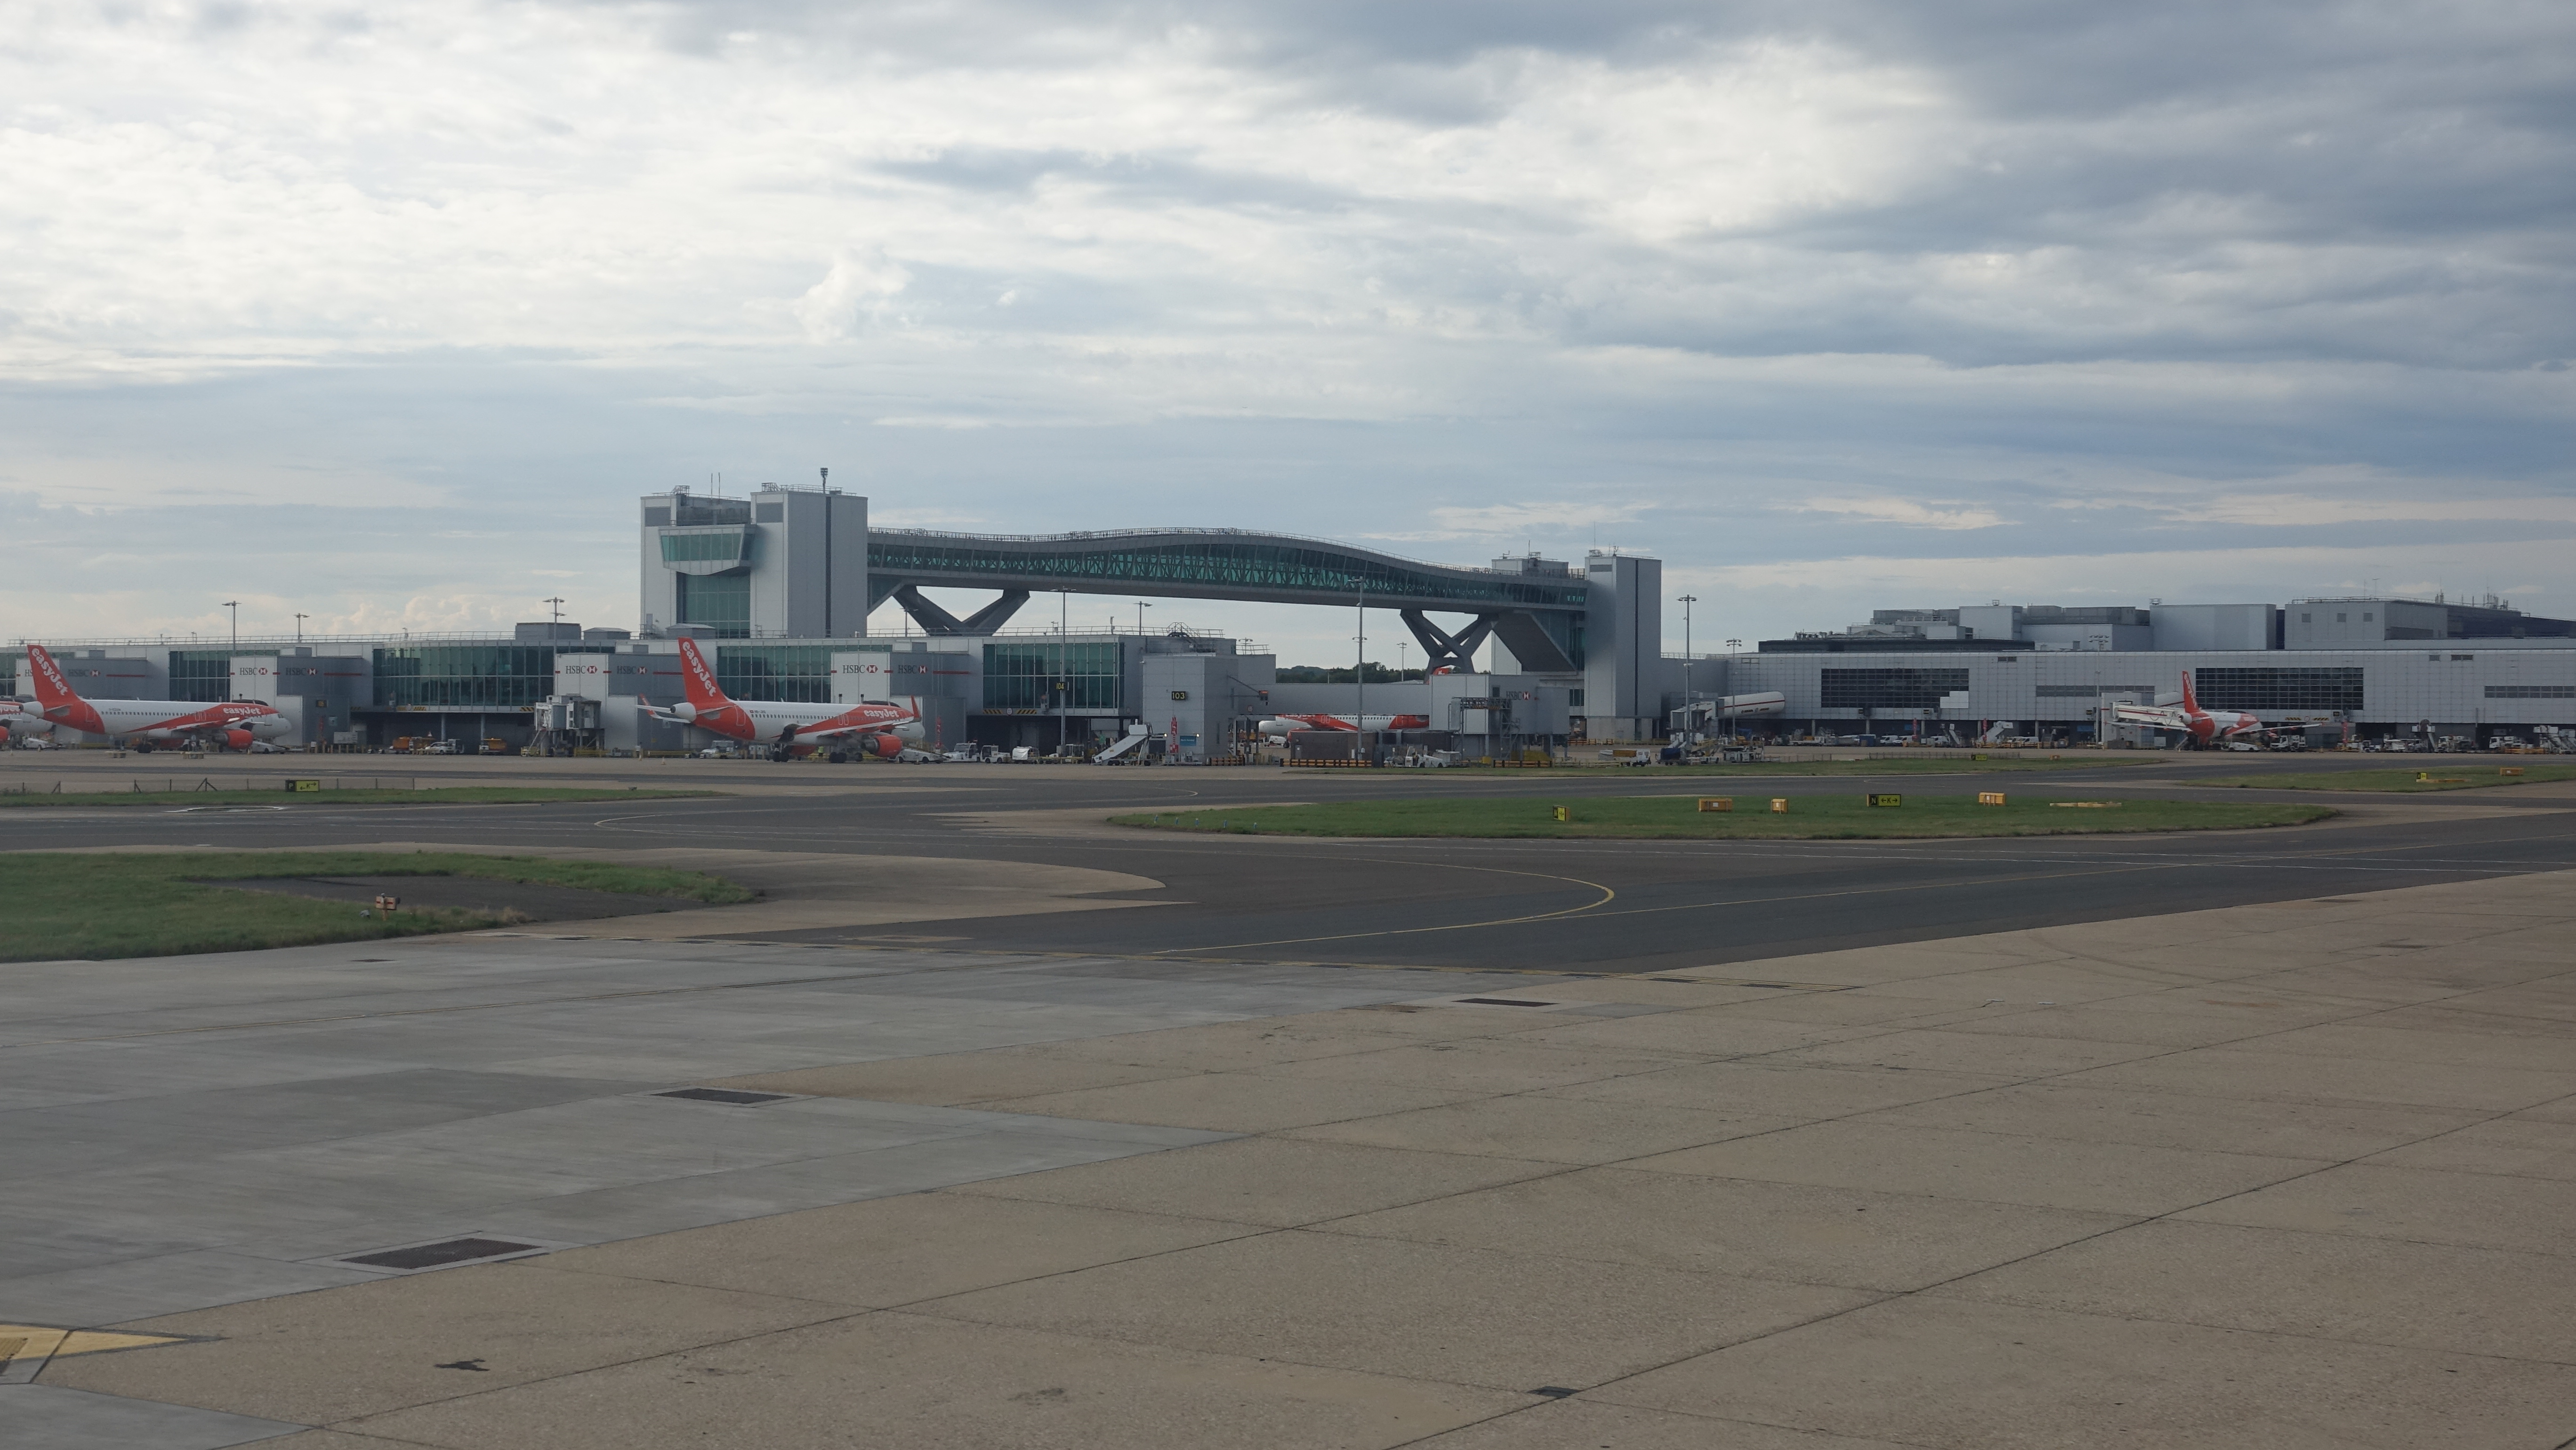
{"x": 829, "y": 729}
{"x": 828, "y": 732}
{"x": 2152, "y": 716}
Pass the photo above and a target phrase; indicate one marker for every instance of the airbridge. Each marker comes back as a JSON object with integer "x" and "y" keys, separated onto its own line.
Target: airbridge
{"x": 1538, "y": 616}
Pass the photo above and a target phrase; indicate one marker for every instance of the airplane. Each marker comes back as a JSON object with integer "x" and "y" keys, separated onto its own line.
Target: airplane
{"x": 2204, "y": 727}
{"x": 789, "y": 725}
{"x": 147, "y": 723}
{"x": 18, "y": 719}
{"x": 1287, "y": 725}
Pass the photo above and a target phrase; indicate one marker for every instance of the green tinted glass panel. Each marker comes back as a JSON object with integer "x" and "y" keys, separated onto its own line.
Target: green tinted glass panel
{"x": 798, "y": 672}
{"x": 2279, "y": 687}
{"x": 722, "y": 602}
{"x": 726, "y": 545}
{"x": 1889, "y": 689}
{"x": 1021, "y": 676}
{"x": 464, "y": 676}
{"x": 201, "y": 674}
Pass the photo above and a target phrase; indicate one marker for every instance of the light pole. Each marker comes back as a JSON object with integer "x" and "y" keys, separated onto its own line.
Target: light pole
{"x": 1690, "y": 698}
{"x": 299, "y": 627}
{"x": 1063, "y": 664}
{"x": 235, "y": 606}
{"x": 1359, "y": 673}
{"x": 1141, "y": 607}
{"x": 557, "y": 602}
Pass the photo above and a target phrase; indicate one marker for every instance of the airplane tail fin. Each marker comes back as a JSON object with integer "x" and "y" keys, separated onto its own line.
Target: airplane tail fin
{"x": 2190, "y": 701}
{"x": 51, "y": 688}
{"x": 700, "y": 678}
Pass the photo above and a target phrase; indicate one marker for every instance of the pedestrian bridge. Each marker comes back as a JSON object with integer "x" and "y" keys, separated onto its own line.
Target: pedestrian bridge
{"x": 1538, "y": 616}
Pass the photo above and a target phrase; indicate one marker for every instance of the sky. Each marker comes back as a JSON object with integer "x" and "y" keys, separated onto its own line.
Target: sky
{"x": 384, "y": 316}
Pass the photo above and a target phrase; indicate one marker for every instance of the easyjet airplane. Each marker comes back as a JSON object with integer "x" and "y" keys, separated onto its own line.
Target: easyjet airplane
{"x": 788, "y": 724}
{"x": 1291, "y": 724}
{"x": 146, "y": 723}
{"x": 2205, "y": 727}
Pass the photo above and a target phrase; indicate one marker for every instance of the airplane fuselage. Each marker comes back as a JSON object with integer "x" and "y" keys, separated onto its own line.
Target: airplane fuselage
{"x": 158, "y": 721}
{"x": 1290, "y": 724}
{"x": 758, "y": 721}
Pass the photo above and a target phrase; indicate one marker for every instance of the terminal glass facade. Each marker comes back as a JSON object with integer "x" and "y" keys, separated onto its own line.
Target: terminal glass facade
{"x": 2278, "y": 687}
{"x": 465, "y": 676}
{"x": 201, "y": 674}
{"x": 721, "y": 602}
{"x": 1021, "y": 677}
{"x": 800, "y": 672}
{"x": 1894, "y": 688}
{"x": 731, "y": 546}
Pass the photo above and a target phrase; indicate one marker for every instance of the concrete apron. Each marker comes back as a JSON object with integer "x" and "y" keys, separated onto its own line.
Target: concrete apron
{"x": 2291, "y": 1174}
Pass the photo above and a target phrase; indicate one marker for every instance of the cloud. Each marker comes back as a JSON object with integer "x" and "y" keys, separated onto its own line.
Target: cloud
{"x": 1912, "y": 513}
{"x": 851, "y": 296}
{"x": 1754, "y": 286}
{"x": 1552, "y": 518}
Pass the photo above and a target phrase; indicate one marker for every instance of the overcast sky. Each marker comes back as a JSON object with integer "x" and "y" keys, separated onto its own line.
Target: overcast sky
{"x": 386, "y": 314}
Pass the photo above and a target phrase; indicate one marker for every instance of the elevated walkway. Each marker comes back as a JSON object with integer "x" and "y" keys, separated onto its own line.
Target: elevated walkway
{"x": 1537, "y": 615}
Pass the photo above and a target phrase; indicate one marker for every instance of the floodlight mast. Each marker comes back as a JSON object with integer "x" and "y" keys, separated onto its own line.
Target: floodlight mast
{"x": 1359, "y": 673}
{"x": 1690, "y": 699}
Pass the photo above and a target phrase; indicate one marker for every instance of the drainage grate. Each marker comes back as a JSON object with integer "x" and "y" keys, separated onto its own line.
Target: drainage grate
{"x": 1554, "y": 1392}
{"x": 723, "y": 1095}
{"x": 1505, "y": 1002}
{"x": 1774, "y": 986}
{"x": 434, "y": 1256}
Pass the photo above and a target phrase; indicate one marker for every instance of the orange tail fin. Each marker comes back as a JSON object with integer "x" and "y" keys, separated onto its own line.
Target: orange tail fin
{"x": 51, "y": 688}
{"x": 700, "y": 677}
{"x": 2189, "y": 700}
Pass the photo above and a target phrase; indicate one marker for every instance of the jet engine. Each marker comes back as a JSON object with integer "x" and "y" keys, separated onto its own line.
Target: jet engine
{"x": 886, "y": 747}
{"x": 238, "y": 739}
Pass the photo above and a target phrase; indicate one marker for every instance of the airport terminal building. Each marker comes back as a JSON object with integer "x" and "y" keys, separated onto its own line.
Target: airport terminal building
{"x": 778, "y": 587}
{"x": 2381, "y": 666}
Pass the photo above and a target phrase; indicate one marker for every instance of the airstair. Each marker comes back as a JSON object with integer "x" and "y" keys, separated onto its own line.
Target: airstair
{"x": 1126, "y": 746}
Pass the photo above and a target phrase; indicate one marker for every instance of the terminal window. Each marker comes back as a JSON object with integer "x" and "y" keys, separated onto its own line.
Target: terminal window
{"x": 2531, "y": 692}
{"x": 201, "y": 674}
{"x": 721, "y": 602}
{"x": 1890, "y": 689}
{"x": 801, "y": 672}
{"x": 2279, "y": 687}
{"x": 1023, "y": 677}
{"x": 464, "y": 676}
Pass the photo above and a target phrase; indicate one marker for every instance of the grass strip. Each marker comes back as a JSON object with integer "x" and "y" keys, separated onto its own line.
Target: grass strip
{"x": 102, "y": 905}
{"x": 1678, "y": 817}
{"x": 2405, "y": 781}
{"x": 272, "y": 794}
{"x": 1935, "y": 766}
